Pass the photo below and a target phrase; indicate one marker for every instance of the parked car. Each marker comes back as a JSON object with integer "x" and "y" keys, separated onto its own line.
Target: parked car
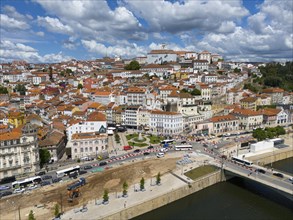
{"x": 73, "y": 175}
{"x": 45, "y": 183}
{"x": 150, "y": 147}
{"x": 103, "y": 163}
{"x": 5, "y": 193}
{"x": 260, "y": 171}
{"x": 82, "y": 172}
{"x": 164, "y": 149}
{"x": 32, "y": 187}
{"x": 136, "y": 151}
{"x": 46, "y": 177}
{"x": 183, "y": 142}
{"x": 291, "y": 179}
{"x": 278, "y": 175}
{"x": 160, "y": 154}
{"x": 40, "y": 173}
{"x": 4, "y": 187}
{"x": 87, "y": 167}
{"x": 19, "y": 190}
{"x": 127, "y": 148}
{"x": 146, "y": 153}
{"x": 56, "y": 180}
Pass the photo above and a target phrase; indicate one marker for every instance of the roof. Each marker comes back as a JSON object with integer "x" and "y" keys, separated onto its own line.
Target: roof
{"x": 96, "y": 116}
{"x": 246, "y": 112}
{"x": 249, "y": 99}
{"x": 135, "y": 90}
{"x": 223, "y": 118}
{"x": 10, "y": 136}
{"x": 272, "y": 90}
{"x": 160, "y": 112}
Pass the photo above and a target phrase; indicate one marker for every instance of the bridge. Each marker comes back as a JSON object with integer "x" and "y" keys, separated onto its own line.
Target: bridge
{"x": 282, "y": 185}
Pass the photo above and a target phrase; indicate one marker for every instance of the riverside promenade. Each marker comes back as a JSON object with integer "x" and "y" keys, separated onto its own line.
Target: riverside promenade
{"x": 174, "y": 185}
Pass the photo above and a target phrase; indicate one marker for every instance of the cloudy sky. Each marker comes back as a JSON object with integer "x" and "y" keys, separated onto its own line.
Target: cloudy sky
{"x": 57, "y": 30}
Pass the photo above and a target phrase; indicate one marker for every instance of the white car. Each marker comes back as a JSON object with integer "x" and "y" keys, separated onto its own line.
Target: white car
{"x": 163, "y": 149}
{"x": 19, "y": 190}
{"x": 159, "y": 155}
{"x": 32, "y": 187}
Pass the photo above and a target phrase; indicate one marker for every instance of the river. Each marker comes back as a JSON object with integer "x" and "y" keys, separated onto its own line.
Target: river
{"x": 234, "y": 199}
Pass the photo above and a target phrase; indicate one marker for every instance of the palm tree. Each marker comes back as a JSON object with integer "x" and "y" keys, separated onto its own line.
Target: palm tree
{"x": 125, "y": 187}
{"x": 142, "y": 184}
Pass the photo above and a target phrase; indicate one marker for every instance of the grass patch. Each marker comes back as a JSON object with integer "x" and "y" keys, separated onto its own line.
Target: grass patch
{"x": 201, "y": 171}
{"x": 130, "y": 143}
{"x": 130, "y": 136}
{"x": 155, "y": 139}
{"x": 137, "y": 140}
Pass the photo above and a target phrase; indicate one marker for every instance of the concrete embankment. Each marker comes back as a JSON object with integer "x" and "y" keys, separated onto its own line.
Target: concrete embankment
{"x": 164, "y": 199}
{"x": 273, "y": 156}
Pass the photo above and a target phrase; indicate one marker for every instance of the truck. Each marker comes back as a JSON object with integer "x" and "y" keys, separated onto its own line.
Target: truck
{"x": 73, "y": 188}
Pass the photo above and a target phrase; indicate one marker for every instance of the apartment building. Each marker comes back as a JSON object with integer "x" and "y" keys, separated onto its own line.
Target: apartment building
{"x": 19, "y": 152}
{"x": 248, "y": 119}
{"x": 225, "y": 123}
{"x": 136, "y": 96}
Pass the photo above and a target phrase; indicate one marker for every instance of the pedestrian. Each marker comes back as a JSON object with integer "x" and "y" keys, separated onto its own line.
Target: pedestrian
{"x": 125, "y": 204}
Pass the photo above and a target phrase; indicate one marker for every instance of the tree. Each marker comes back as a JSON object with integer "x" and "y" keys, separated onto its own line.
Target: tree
{"x": 142, "y": 184}
{"x": 106, "y": 195}
{"x": 20, "y": 88}
{"x": 259, "y": 134}
{"x": 133, "y": 65}
{"x": 125, "y": 187}
{"x": 195, "y": 92}
{"x": 31, "y": 215}
{"x": 158, "y": 178}
{"x": 56, "y": 210}
{"x": 45, "y": 156}
{"x": 3, "y": 90}
{"x": 184, "y": 90}
{"x": 117, "y": 138}
{"x": 236, "y": 70}
{"x": 79, "y": 86}
{"x": 280, "y": 130}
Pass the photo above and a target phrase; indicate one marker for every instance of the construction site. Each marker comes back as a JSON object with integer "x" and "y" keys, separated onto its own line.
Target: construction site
{"x": 75, "y": 193}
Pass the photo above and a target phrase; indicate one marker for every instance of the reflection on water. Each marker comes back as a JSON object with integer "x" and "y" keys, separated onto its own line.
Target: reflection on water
{"x": 235, "y": 199}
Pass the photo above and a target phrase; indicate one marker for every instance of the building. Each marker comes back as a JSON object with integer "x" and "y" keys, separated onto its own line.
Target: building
{"x": 201, "y": 65}
{"x": 19, "y": 152}
{"x": 225, "y": 123}
{"x": 205, "y": 55}
{"x": 248, "y": 119}
{"x": 250, "y": 103}
{"x": 161, "y": 56}
{"x": 88, "y": 145}
{"x": 136, "y": 96}
{"x": 276, "y": 95}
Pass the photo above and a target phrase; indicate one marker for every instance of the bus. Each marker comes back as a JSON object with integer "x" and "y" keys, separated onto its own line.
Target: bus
{"x": 67, "y": 171}
{"x": 27, "y": 182}
{"x": 167, "y": 141}
{"x": 242, "y": 161}
{"x": 183, "y": 147}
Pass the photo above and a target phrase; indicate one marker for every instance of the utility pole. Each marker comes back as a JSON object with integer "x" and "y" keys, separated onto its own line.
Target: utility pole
{"x": 19, "y": 217}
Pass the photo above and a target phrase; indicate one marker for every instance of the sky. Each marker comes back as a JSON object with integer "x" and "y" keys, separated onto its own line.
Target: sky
{"x": 49, "y": 31}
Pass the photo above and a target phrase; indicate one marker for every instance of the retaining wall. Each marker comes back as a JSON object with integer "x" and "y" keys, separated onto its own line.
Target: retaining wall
{"x": 166, "y": 198}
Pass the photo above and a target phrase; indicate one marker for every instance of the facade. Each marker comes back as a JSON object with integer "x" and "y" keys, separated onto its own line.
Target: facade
{"x": 88, "y": 145}
{"x": 136, "y": 96}
{"x": 131, "y": 116}
{"x": 201, "y": 65}
{"x": 161, "y": 56}
{"x": 19, "y": 152}
{"x": 276, "y": 95}
{"x": 250, "y": 103}
{"x": 225, "y": 123}
{"x": 205, "y": 55}
{"x": 166, "y": 123}
{"x": 248, "y": 119}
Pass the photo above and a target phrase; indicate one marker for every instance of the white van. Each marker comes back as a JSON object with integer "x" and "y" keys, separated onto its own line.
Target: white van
{"x": 160, "y": 154}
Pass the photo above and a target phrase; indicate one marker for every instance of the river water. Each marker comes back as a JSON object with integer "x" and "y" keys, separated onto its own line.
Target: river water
{"x": 234, "y": 199}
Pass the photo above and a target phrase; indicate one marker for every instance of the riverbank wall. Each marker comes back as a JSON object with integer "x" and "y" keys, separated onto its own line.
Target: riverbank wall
{"x": 166, "y": 198}
{"x": 270, "y": 157}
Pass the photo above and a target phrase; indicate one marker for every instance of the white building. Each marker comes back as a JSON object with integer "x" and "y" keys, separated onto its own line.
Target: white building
{"x": 166, "y": 123}
{"x": 96, "y": 122}
{"x": 161, "y": 56}
{"x": 200, "y": 65}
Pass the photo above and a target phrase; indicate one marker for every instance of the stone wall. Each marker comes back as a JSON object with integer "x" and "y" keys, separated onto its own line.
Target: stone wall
{"x": 169, "y": 197}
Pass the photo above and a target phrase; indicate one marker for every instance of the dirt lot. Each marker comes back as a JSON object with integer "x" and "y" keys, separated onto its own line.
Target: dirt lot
{"x": 111, "y": 179}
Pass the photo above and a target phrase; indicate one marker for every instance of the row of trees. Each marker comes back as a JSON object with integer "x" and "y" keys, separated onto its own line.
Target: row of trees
{"x": 125, "y": 188}
{"x": 193, "y": 92}
{"x": 262, "y": 134}
{"x": 57, "y": 213}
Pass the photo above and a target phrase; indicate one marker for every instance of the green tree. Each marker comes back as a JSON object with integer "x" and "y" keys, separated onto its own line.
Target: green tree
{"x": 44, "y": 156}
{"x": 117, "y": 138}
{"x": 106, "y": 195}
{"x": 142, "y": 183}
{"x": 133, "y": 65}
{"x": 56, "y": 210}
{"x": 195, "y": 91}
{"x": 79, "y": 86}
{"x": 20, "y": 88}
{"x": 31, "y": 215}
{"x": 236, "y": 70}
{"x": 259, "y": 134}
{"x": 184, "y": 90}
{"x": 125, "y": 187}
{"x": 3, "y": 90}
{"x": 158, "y": 178}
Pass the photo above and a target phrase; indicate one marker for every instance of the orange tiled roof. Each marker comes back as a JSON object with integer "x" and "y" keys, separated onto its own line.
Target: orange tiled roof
{"x": 10, "y": 136}
{"x": 96, "y": 116}
{"x": 223, "y": 118}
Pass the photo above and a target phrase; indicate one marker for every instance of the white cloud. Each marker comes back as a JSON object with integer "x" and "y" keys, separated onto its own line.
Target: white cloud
{"x": 54, "y": 25}
{"x": 12, "y": 24}
{"x": 10, "y": 51}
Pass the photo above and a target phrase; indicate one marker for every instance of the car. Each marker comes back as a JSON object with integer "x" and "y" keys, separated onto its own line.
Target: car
{"x": 260, "y": 171}
{"x": 291, "y": 179}
{"x": 73, "y": 175}
{"x": 146, "y": 153}
{"x": 103, "y": 163}
{"x": 41, "y": 173}
{"x": 136, "y": 151}
{"x": 45, "y": 183}
{"x": 183, "y": 142}
{"x": 4, "y": 187}
{"x": 278, "y": 175}
{"x": 160, "y": 154}
{"x": 127, "y": 148}
{"x": 19, "y": 190}
{"x": 5, "y": 193}
{"x": 82, "y": 172}
{"x": 32, "y": 187}
{"x": 150, "y": 147}
{"x": 163, "y": 149}
{"x": 56, "y": 180}
{"x": 46, "y": 177}
{"x": 113, "y": 157}
{"x": 87, "y": 167}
